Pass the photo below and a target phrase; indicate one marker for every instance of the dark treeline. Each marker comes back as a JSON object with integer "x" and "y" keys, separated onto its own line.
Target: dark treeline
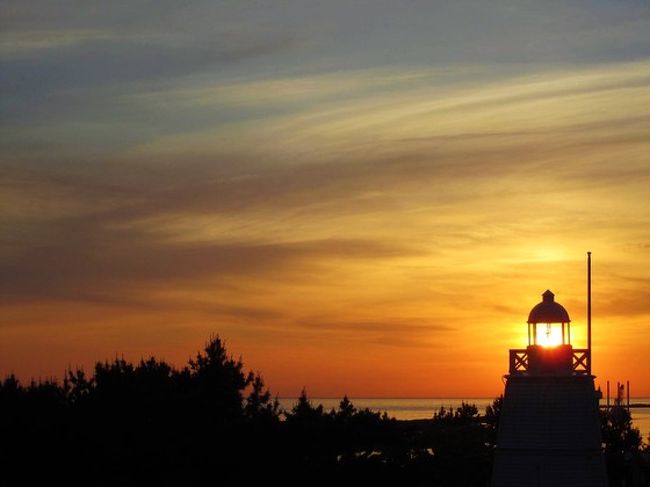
{"x": 213, "y": 423}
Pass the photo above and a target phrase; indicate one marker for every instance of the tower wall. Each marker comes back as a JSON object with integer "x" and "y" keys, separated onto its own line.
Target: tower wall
{"x": 549, "y": 433}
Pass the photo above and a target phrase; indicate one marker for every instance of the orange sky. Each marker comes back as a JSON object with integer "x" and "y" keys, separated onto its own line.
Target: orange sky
{"x": 377, "y": 229}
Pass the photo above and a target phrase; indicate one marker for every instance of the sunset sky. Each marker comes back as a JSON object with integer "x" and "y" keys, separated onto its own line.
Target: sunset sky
{"x": 360, "y": 197}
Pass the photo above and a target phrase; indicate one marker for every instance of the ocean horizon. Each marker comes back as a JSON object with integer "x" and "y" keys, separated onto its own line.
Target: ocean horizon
{"x": 424, "y": 408}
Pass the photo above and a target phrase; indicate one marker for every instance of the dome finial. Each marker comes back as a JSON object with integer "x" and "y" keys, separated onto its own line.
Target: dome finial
{"x": 548, "y": 296}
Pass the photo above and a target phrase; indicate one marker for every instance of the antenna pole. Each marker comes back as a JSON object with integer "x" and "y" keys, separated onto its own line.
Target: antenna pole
{"x": 589, "y": 308}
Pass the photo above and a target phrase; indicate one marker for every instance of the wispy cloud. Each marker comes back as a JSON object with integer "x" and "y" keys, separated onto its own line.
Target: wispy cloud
{"x": 518, "y": 109}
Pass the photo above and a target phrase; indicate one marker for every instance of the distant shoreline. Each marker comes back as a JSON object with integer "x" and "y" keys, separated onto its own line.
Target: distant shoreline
{"x": 632, "y": 405}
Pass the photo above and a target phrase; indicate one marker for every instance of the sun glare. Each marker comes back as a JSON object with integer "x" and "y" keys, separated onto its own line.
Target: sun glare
{"x": 549, "y": 336}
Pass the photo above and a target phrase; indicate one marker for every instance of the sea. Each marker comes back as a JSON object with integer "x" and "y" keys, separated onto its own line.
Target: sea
{"x": 400, "y": 408}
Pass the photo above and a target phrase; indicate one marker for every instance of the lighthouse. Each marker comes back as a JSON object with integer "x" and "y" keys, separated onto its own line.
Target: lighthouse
{"x": 549, "y": 429}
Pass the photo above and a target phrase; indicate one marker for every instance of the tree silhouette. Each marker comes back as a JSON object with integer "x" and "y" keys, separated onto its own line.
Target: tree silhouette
{"x": 218, "y": 381}
{"x": 346, "y": 410}
{"x": 622, "y": 445}
{"x": 492, "y": 416}
{"x": 259, "y": 405}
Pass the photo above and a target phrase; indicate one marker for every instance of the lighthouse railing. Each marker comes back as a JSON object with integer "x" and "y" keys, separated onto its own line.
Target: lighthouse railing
{"x": 577, "y": 361}
{"x": 518, "y": 360}
{"x": 581, "y": 360}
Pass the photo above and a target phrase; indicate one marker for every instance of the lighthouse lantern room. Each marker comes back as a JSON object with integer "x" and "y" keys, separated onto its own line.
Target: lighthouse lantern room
{"x": 549, "y": 348}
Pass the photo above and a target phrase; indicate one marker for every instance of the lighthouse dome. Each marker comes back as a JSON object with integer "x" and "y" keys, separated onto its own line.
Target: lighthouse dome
{"x": 548, "y": 311}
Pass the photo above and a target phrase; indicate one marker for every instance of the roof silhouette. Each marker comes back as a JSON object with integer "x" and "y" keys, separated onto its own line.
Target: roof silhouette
{"x": 548, "y": 311}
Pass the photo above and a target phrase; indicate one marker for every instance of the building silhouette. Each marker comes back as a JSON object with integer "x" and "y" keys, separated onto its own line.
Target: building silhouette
{"x": 549, "y": 430}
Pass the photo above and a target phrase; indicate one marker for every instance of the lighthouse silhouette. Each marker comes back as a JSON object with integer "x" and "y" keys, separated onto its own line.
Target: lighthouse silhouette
{"x": 549, "y": 429}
